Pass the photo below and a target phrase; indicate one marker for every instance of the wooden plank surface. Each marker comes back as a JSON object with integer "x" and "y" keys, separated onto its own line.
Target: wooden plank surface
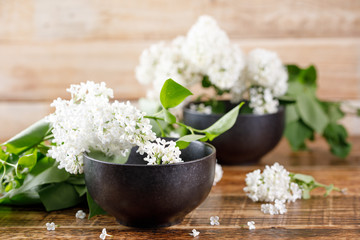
{"x": 42, "y": 71}
{"x": 334, "y": 217}
{"x": 158, "y": 19}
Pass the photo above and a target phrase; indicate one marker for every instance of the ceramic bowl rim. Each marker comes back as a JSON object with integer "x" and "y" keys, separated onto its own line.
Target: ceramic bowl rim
{"x": 281, "y": 108}
{"x": 157, "y": 165}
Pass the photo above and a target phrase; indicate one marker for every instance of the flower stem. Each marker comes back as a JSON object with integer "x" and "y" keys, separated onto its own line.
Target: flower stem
{"x": 6, "y": 163}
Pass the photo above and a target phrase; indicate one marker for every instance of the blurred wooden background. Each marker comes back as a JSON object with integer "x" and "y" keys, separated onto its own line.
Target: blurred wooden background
{"x": 47, "y": 45}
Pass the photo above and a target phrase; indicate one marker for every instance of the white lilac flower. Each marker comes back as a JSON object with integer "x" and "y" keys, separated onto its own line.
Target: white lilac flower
{"x": 208, "y": 48}
{"x": 104, "y": 234}
{"x": 262, "y": 101}
{"x": 273, "y": 184}
{"x": 194, "y": 233}
{"x": 161, "y": 152}
{"x": 251, "y": 225}
{"x": 80, "y": 214}
{"x": 162, "y": 61}
{"x": 214, "y": 220}
{"x": 201, "y": 108}
{"x": 218, "y": 173}
{"x": 265, "y": 69}
{"x": 274, "y": 209}
{"x": 89, "y": 121}
{"x": 50, "y": 226}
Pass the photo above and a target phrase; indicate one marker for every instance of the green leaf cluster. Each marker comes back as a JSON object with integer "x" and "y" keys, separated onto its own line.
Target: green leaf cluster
{"x": 28, "y": 176}
{"x": 307, "y": 115}
{"x": 172, "y": 94}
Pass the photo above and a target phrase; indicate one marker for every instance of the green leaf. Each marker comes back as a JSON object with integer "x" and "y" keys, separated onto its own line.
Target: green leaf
{"x": 206, "y": 82}
{"x": 113, "y": 159}
{"x": 333, "y": 111}
{"x": 80, "y": 189}
{"x": 308, "y": 76}
{"x": 296, "y": 133}
{"x": 94, "y": 208}
{"x": 59, "y": 196}
{"x": 28, "y": 138}
{"x": 169, "y": 117}
{"x": 336, "y": 135}
{"x": 223, "y": 124}
{"x": 358, "y": 112}
{"x": 26, "y": 161}
{"x": 172, "y": 94}
{"x": 77, "y": 179}
{"x": 293, "y": 72}
{"x": 26, "y": 198}
{"x": 303, "y": 178}
{"x": 50, "y": 175}
{"x": 291, "y": 113}
{"x": 311, "y": 112}
{"x": 184, "y": 141}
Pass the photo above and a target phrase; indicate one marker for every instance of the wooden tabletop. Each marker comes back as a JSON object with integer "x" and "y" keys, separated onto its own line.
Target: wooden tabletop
{"x": 336, "y": 216}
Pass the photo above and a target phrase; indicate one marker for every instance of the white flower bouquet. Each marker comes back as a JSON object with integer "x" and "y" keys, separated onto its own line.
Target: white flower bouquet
{"x": 47, "y": 158}
{"x": 206, "y": 56}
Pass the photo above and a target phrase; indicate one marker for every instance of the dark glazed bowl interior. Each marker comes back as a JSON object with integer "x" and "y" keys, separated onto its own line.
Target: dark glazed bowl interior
{"x": 248, "y": 140}
{"x": 141, "y": 195}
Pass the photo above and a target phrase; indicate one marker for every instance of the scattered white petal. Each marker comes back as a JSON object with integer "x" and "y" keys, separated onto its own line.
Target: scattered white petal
{"x": 214, "y": 220}
{"x": 104, "y": 234}
{"x": 50, "y": 226}
{"x": 194, "y": 233}
{"x": 80, "y": 214}
{"x": 251, "y": 225}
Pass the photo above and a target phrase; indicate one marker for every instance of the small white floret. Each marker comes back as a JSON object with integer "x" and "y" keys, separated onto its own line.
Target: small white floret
{"x": 50, "y": 226}
{"x": 214, "y": 220}
{"x": 80, "y": 214}
{"x": 194, "y": 233}
{"x": 251, "y": 225}
{"x": 104, "y": 234}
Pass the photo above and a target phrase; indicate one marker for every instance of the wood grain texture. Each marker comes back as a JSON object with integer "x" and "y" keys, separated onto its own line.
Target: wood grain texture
{"x": 43, "y": 71}
{"x": 158, "y": 19}
{"x": 334, "y": 217}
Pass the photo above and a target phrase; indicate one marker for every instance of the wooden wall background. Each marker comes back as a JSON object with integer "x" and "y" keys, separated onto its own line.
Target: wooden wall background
{"x": 46, "y": 45}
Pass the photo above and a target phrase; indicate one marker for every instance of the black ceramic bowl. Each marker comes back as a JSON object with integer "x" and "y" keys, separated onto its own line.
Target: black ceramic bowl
{"x": 141, "y": 195}
{"x": 248, "y": 140}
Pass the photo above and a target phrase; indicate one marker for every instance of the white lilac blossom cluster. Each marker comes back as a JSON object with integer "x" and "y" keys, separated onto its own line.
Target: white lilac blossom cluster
{"x": 206, "y": 51}
{"x": 273, "y": 209}
{"x": 162, "y": 152}
{"x": 272, "y": 185}
{"x": 162, "y": 61}
{"x": 88, "y": 121}
{"x": 268, "y": 79}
